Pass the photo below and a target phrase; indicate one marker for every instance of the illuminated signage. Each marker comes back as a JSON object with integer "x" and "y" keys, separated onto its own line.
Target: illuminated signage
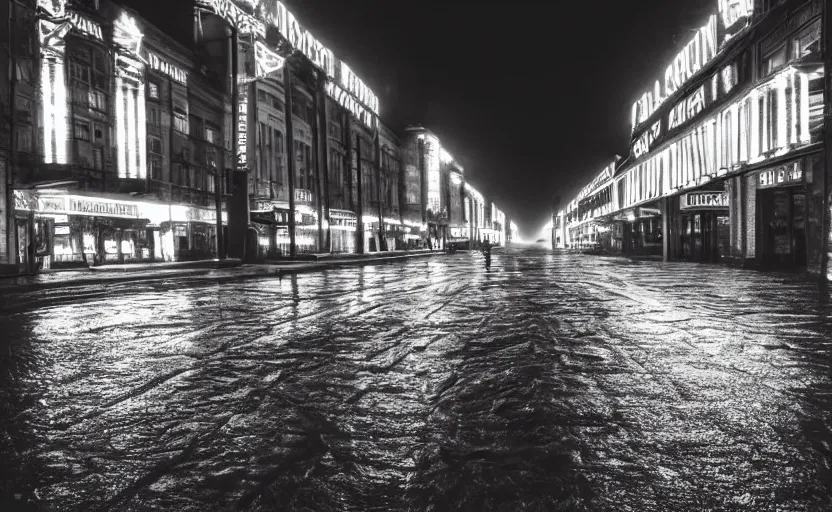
{"x": 735, "y": 11}
{"x": 356, "y": 87}
{"x": 600, "y": 179}
{"x": 704, "y": 200}
{"x": 698, "y": 52}
{"x": 643, "y": 144}
{"x": 91, "y": 207}
{"x": 162, "y": 66}
{"x": 86, "y": 26}
{"x": 791, "y": 174}
{"x": 687, "y": 109}
{"x": 242, "y": 129}
{"x": 87, "y": 206}
{"x": 266, "y": 61}
{"x": 281, "y": 18}
{"x": 348, "y": 102}
{"x": 238, "y": 18}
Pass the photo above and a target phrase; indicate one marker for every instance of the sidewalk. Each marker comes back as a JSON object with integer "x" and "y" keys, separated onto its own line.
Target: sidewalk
{"x": 219, "y": 270}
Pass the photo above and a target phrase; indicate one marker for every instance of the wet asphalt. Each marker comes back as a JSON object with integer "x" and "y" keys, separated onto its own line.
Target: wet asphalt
{"x": 550, "y": 382}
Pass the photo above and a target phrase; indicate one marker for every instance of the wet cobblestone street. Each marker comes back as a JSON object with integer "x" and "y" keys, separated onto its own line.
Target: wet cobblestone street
{"x": 551, "y": 382}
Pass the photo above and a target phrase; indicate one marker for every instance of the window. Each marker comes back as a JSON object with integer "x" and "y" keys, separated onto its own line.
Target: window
{"x": 155, "y": 167}
{"x": 278, "y": 153}
{"x": 270, "y": 100}
{"x": 82, "y": 129}
{"x": 195, "y": 124}
{"x": 99, "y": 66}
{"x": 97, "y": 100}
{"x": 775, "y": 60}
{"x": 23, "y": 139}
{"x": 153, "y": 90}
{"x": 154, "y": 117}
{"x": 212, "y": 133}
{"x": 79, "y": 72}
{"x": 180, "y": 121}
{"x": 807, "y": 42}
{"x": 98, "y": 133}
{"x": 81, "y": 95}
{"x": 154, "y": 144}
{"x": 334, "y": 130}
{"x": 98, "y": 159}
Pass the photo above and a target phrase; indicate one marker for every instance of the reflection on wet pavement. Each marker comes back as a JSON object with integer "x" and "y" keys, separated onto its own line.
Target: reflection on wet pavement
{"x": 550, "y": 382}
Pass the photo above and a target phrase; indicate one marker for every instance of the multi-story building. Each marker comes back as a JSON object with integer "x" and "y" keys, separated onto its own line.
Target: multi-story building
{"x": 441, "y": 180}
{"x": 109, "y": 164}
{"x": 392, "y": 189}
{"x": 125, "y": 145}
{"x": 727, "y": 156}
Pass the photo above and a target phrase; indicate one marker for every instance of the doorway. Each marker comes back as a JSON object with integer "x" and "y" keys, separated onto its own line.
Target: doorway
{"x": 782, "y": 227}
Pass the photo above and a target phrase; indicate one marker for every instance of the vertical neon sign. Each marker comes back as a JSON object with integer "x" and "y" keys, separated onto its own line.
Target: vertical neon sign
{"x": 53, "y": 89}
{"x": 131, "y": 140}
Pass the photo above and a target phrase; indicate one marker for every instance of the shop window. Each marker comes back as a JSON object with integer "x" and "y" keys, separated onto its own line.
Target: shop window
{"x": 153, "y": 90}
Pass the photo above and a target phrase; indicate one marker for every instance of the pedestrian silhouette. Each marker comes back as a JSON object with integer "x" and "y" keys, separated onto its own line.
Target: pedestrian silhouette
{"x": 486, "y": 251}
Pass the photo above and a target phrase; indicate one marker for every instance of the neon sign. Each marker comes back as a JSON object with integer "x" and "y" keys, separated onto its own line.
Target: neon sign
{"x": 162, "y": 66}
{"x": 699, "y": 200}
{"x": 302, "y": 40}
{"x": 242, "y": 129}
{"x": 687, "y": 109}
{"x": 348, "y": 102}
{"x": 357, "y": 88}
{"x": 265, "y": 60}
{"x": 698, "y": 52}
{"x": 643, "y": 144}
{"x": 86, "y": 26}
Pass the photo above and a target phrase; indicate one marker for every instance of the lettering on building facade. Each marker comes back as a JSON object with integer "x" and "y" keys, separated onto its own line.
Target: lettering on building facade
{"x": 643, "y": 144}
{"x": 86, "y": 26}
{"x": 704, "y": 200}
{"x": 162, "y": 66}
{"x": 790, "y": 174}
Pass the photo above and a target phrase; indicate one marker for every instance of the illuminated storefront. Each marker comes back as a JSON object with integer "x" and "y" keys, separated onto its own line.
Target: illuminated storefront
{"x": 76, "y": 229}
{"x": 725, "y": 159}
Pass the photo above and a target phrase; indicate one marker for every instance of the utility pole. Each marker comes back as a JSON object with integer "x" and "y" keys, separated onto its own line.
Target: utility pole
{"x": 382, "y": 241}
{"x": 359, "y": 226}
{"x": 8, "y": 214}
{"x": 290, "y": 151}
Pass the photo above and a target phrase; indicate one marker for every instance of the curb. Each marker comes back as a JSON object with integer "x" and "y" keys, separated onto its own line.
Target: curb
{"x": 208, "y": 274}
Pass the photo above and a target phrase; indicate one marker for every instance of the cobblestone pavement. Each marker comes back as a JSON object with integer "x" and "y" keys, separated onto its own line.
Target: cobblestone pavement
{"x": 548, "y": 383}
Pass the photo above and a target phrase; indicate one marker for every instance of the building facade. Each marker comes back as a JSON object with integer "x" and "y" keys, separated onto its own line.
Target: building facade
{"x": 727, "y": 158}
{"x": 118, "y": 144}
{"x": 257, "y": 142}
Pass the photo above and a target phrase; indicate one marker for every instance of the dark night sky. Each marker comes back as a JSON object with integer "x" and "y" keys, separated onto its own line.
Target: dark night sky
{"x": 532, "y": 99}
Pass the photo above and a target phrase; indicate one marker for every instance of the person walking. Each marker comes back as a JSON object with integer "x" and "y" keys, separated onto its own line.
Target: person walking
{"x": 486, "y": 251}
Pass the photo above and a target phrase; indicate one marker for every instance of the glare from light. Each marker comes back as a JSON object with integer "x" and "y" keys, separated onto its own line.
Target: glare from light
{"x": 121, "y": 143}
